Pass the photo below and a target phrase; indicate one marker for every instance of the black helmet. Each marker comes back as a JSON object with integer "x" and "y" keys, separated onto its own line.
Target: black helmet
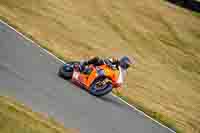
{"x": 125, "y": 62}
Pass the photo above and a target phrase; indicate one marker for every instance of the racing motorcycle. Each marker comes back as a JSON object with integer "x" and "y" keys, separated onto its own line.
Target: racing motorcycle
{"x": 99, "y": 81}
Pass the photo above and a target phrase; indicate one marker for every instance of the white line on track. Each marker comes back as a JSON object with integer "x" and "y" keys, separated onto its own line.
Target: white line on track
{"x": 133, "y": 107}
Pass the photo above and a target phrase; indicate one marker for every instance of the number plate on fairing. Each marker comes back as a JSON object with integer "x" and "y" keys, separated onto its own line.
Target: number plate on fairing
{"x": 76, "y": 75}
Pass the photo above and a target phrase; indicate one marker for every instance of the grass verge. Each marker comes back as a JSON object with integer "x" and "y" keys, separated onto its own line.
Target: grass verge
{"x": 60, "y": 56}
{"x": 16, "y": 118}
{"x": 155, "y": 115}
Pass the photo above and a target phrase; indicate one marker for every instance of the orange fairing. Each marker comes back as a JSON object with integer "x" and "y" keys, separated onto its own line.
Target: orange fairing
{"x": 110, "y": 73}
{"x": 91, "y": 77}
{"x": 87, "y": 80}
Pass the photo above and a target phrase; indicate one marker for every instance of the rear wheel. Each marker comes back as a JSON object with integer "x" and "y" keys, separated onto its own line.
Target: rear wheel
{"x": 66, "y": 71}
{"x": 101, "y": 86}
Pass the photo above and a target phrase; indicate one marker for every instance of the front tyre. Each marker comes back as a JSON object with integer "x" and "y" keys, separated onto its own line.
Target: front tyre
{"x": 66, "y": 71}
{"x": 101, "y": 87}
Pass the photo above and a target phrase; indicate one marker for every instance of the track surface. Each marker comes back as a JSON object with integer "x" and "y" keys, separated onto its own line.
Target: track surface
{"x": 30, "y": 75}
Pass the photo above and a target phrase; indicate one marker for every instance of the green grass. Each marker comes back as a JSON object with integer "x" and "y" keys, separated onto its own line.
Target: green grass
{"x": 194, "y": 13}
{"x": 197, "y": 14}
{"x": 16, "y": 118}
{"x": 163, "y": 38}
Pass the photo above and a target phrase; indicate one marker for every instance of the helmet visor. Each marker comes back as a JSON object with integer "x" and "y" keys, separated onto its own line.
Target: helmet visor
{"x": 125, "y": 66}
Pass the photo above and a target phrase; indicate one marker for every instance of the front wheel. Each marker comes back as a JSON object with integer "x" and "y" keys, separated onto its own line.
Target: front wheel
{"x": 101, "y": 87}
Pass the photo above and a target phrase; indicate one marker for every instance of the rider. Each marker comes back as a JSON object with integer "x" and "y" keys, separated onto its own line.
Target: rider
{"x": 121, "y": 64}
{"x": 99, "y": 61}
{"x": 124, "y": 62}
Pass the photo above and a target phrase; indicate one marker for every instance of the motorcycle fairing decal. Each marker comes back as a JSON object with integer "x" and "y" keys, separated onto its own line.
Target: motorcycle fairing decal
{"x": 76, "y": 75}
{"x": 100, "y": 72}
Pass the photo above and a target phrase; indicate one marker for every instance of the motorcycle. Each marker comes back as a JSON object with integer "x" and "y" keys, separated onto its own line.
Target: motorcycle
{"x": 99, "y": 81}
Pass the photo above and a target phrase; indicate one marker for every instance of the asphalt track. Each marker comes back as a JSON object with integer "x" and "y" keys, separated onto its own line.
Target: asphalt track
{"x": 29, "y": 74}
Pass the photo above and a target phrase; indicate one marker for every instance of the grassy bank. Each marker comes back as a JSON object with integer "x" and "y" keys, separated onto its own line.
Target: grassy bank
{"x": 170, "y": 123}
{"x": 163, "y": 38}
{"x": 16, "y": 118}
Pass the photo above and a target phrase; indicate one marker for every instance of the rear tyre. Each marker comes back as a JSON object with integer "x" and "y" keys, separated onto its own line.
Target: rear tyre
{"x": 66, "y": 71}
{"x": 101, "y": 87}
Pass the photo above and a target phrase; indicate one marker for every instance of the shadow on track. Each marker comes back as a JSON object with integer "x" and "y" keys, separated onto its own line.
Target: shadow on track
{"x": 192, "y": 5}
{"x": 110, "y": 99}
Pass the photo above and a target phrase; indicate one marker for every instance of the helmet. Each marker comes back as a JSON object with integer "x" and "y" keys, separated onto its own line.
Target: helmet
{"x": 125, "y": 62}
